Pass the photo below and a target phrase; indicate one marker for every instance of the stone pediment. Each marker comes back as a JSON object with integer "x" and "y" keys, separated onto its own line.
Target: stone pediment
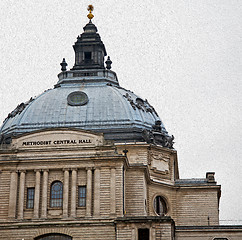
{"x": 58, "y": 138}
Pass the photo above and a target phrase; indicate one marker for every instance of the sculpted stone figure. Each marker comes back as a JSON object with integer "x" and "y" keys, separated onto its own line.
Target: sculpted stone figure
{"x": 157, "y": 136}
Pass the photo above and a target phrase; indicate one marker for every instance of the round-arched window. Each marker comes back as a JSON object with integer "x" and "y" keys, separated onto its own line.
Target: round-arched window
{"x": 56, "y": 194}
{"x": 160, "y": 206}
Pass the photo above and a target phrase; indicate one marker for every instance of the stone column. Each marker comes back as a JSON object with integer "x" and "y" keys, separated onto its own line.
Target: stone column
{"x": 65, "y": 193}
{"x": 96, "y": 210}
{"x": 21, "y": 195}
{"x": 112, "y": 191}
{"x": 36, "y": 194}
{"x": 13, "y": 195}
{"x": 44, "y": 194}
{"x": 73, "y": 192}
{"x": 89, "y": 193}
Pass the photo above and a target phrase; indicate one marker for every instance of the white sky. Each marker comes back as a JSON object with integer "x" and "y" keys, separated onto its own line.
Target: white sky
{"x": 184, "y": 56}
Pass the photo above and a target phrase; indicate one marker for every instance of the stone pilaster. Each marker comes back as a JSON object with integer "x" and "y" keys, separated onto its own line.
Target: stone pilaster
{"x": 133, "y": 234}
{"x": 44, "y": 194}
{"x": 152, "y": 233}
{"x": 112, "y": 191}
{"x": 73, "y": 192}
{"x": 89, "y": 193}
{"x": 13, "y": 195}
{"x": 65, "y": 193}
{"x": 21, "y": 195}
{"x": 37, "y": 194}
{"x": 96, "y": 210}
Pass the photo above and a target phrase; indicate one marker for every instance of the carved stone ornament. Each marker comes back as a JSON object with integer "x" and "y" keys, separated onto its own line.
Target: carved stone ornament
{"x": 18, "y": 109}
{"x": 157, "y": 137}
{"x": 159, "y": 162}
{"x": 139, "y": 103}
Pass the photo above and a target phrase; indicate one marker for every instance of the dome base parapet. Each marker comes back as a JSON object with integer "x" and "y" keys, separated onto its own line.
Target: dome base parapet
{"x": 93, "y": 75}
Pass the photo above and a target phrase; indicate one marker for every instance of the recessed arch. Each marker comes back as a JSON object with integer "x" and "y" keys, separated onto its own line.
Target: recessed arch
{"x": 53, "y": 236}
{"x": 220, "y": 238}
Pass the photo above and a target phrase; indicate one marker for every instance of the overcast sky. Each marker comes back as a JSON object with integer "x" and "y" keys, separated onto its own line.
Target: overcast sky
{"x": 184, "y": 56}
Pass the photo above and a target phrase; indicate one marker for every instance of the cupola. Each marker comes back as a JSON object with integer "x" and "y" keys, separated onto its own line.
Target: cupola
{"x": 89, "y": 49}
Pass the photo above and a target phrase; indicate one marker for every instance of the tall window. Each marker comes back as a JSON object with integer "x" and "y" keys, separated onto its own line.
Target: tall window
{"x": 82, "y": 196}
{"x": 56, "y": 194}
{"x": 30, "y": 198}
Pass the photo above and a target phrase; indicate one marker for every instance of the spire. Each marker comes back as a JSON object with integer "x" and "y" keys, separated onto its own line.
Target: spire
{"x": 90, "y": 9}
{"x": 89, "y": 49}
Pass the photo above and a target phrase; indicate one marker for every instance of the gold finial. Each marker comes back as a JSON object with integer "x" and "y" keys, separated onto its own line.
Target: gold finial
{"x": 90, "y": 9}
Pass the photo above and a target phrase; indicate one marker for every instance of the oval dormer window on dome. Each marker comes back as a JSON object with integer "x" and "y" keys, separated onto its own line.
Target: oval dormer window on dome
{"x": 77, "y": 98}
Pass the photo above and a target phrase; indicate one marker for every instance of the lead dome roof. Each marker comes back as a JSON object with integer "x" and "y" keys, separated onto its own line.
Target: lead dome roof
{"x": 118, "y": 113}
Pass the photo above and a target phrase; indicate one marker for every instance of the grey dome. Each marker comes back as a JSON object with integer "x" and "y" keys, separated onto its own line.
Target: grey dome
{"x": 103, "y": 105}
{"x": 110, "y": 109}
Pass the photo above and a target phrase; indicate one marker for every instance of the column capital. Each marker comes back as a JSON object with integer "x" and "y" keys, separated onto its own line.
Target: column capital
{"x": 97, "y": 168}
{"x": 44, "y": 170}
{"x": 89, "y": 168}
{"x": 22, "y": 171}
{"x": 37, "y": 170}
{"x": 66, "y": 169}
{"x": 73, "y": 169}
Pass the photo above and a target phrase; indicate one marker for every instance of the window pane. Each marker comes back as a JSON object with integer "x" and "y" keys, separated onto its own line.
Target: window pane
{"x": 56, "y": 194}
{"x": 82, "y": 196}
{"x": 30, "y": 198}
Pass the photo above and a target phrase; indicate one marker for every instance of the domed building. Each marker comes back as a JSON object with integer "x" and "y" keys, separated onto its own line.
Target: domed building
{"x": 89, "y": 159}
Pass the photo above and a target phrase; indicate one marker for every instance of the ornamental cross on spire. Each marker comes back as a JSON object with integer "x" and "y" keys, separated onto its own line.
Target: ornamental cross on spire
{"x": 90, "y": 9}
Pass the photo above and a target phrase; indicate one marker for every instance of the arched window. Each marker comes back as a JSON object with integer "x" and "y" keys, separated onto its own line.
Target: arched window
{"x": 160, "y": 206}
{"x": 56, "y": 194}
{"x": 54, "y": 236}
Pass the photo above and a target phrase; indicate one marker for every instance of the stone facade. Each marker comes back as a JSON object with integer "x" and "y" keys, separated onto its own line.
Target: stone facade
{"x": 122, "y": 182}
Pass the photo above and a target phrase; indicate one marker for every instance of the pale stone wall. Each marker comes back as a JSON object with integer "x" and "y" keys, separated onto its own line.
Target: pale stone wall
{"x": 168, "y": 193}
{"x": 134, "y": 193}
{"x": 195, "y": 205}
{"x": 128, "y": 230}
{"x": 105, "y": 231}
{"x": 210, "y": 234}
{"x": 4, "y": 194}
{"x": 188, "y": 206}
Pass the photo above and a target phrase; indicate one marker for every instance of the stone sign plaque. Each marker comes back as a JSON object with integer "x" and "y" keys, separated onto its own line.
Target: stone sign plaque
{"x": 58, "y": 138}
